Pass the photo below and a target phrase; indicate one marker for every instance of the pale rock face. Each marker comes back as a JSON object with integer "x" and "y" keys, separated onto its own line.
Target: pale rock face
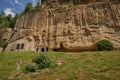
{"x": 81, "y": 25}
{"x": 4, "y": 33}
{"x": 28, "y": 45}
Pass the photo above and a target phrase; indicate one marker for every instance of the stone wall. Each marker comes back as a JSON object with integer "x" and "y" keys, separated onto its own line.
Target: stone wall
{"x": 23, "y": 44}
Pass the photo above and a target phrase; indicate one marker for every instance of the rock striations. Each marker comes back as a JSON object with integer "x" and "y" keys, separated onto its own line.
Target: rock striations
{"x": 68, "y": 27}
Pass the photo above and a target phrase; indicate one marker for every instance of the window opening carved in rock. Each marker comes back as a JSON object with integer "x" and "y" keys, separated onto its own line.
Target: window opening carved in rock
{"x": 18, "y": 46}
{"x": 22, "y": 46}
{"x": 47, "y": 49}
{"x": 42, "y": 50}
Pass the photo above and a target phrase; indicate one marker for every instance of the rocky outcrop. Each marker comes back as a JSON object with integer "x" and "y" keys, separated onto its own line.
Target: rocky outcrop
{"x": 76, "y": 26}
{"x": 4, "y": 32}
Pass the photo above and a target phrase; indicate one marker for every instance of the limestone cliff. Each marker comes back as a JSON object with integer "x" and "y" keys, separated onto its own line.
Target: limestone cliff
{"x": 4, "y": 32}
{"x": 79, "y": 25}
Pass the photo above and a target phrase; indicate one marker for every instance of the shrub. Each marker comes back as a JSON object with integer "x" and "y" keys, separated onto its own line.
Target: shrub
{"x": 42, "y": 61}
{"x": 104, "y": 45}
{"x": 3, "y": 44}
{"x": 30, "y": 68}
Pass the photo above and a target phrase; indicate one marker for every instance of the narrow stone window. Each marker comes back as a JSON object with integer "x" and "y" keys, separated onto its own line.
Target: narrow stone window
{"x": 18, "y": 46}
{"x": 46, "y": 48}
{"x": 22, "y": 46}
{"x": 42, "y": 49}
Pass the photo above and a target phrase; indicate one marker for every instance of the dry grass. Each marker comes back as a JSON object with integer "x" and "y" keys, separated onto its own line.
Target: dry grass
{"x": 103, "y": 65}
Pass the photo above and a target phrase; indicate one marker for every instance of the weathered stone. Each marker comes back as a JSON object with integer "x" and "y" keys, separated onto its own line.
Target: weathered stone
{"x": 4, "y": 33}
{"x": 76, "y": 27}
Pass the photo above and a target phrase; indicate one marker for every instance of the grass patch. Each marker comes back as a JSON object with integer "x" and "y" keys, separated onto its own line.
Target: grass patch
{"x": 103, "y": 65}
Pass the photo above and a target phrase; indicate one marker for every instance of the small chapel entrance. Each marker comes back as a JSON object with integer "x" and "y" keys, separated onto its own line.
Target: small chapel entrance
{"x": 41, "y": 49}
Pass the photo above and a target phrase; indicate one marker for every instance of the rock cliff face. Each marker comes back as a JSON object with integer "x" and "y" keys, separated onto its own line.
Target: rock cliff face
{"x": 76, "y": 26}
{"x": 4, "y": 33}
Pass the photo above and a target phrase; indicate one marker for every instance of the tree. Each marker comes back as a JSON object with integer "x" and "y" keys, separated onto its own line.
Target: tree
{"x": 7, "y": 21}
{"x": 12, "y": 22}
{"x": 3, "y": 44}
{"x": 28, "y": 7}
{"x": 38, "y": 4}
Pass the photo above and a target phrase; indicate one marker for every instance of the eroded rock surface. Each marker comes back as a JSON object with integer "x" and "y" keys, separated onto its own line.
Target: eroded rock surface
{"x": 4, "y": 33}
{"x": 80, "y": 25}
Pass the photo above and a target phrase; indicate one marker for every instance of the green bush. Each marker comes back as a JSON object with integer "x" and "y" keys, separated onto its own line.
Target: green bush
{"x": 104, "y": 45}
{"x": 28, "y": 7}
{"x": 30, "y": 68}
{"x": 42, "y": 61}
{"x": 3, "y": 44}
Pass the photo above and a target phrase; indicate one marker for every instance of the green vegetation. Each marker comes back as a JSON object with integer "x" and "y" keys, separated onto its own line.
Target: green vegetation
{"x": 30, "y": 68}
{"x": 38, "y": 4}
{"x": 103, "y": 65}
{"x": 42, "y": 61}
{"x": 104, "y": 45}
{"x": 7, "y": 21}
{"x": 28, "y": 7}
{"x": 3, "y": 44}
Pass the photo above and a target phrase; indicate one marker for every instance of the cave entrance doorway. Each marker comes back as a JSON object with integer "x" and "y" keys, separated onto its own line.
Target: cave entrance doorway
{"x": 18, "y": 46}
{"x": 42, "y": 49}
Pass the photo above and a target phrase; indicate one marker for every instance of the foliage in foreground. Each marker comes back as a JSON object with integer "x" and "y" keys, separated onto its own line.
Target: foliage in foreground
{"x": 104, "y": 45}
{"x": 42, "y": 61}
{"x": 75, "y": 66}
{"x": 3, "y": 44}
{"x": 30, "y": 68}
